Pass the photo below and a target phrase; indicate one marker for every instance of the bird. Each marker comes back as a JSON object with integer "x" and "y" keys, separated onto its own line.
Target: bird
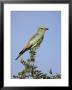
{"x": 34, "y": 41}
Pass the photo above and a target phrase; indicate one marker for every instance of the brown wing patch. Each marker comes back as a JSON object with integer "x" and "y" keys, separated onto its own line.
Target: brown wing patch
{"x": 27, "y": 46}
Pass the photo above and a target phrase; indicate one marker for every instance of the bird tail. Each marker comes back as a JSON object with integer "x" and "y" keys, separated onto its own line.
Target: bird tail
{"x": 24, "y": 49}
{"x": 18, "y": 57}
{"x": 21, "y": 53}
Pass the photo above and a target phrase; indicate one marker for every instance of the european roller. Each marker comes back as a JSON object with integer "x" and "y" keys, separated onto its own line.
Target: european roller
{"x": 34, "y": 41}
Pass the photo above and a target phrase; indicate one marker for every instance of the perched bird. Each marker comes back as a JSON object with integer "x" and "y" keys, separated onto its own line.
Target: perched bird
{"x": 35, "y": 40}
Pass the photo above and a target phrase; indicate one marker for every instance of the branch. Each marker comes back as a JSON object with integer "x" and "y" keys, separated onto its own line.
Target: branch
{"x": 30, "y": 69}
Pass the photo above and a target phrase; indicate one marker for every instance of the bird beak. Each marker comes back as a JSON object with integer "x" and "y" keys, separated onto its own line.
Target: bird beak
{"x": 46, "y": 29}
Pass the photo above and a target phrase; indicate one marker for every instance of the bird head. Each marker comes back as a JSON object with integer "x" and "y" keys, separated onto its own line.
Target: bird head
{"x": 42, "y": 30}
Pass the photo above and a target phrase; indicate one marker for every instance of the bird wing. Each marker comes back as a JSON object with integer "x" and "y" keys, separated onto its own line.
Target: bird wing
{"x": 34, "y": 41}
{"x": 33, "y": 36}
{"x": 40, "y": 41}
{"x": 27, "y": 45}
{"x": 37, "y": 44}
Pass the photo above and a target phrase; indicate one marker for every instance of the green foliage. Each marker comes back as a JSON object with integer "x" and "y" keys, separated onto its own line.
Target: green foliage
{"x": 30, "y": 70}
